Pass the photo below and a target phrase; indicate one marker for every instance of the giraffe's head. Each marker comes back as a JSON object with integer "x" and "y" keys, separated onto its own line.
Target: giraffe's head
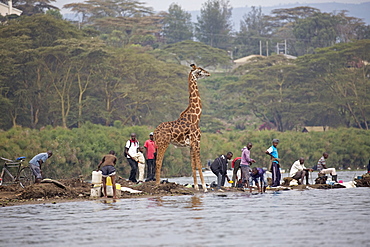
{"x": 198, "y": 72}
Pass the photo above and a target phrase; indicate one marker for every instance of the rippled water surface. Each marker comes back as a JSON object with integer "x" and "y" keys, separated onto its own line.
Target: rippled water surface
{"x": 338, "y": 217}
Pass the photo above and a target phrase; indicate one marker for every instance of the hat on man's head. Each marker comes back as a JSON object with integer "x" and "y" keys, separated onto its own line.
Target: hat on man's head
{"x": 151, "y": 133}
{"x": 275, "y": 140}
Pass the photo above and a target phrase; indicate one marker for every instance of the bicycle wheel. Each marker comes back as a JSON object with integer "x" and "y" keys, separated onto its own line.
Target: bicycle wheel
{"x": 26, "y": 177}
{"x": 6, "y": 178}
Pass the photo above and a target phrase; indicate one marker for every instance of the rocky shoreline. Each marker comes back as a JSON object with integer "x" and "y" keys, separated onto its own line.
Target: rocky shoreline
{"x": 78, "y": 190}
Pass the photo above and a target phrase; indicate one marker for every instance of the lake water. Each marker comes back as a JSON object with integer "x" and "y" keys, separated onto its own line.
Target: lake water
{"x": 338, "y": 217}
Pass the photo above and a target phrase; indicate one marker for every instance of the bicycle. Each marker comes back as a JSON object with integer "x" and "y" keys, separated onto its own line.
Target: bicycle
{"x": 23, "y": 174}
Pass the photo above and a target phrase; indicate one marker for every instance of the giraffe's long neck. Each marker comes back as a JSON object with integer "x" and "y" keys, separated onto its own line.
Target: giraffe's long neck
{"x": 194, "y": 97}
{"x": 194, "y": 109}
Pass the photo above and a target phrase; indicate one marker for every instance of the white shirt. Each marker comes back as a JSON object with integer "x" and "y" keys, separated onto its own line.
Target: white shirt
{"x": 296, "y": 167}
{"x": 132, "y": 150}
{"x": 139, "y": 157}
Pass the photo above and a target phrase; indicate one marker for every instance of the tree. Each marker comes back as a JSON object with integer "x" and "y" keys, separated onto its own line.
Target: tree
{"x": 55, "y": 12}
{"x": 23, "y": 76}
{"x": 282, "y": 23}
{"x": 197, "y": 52}
{"x": 92, "y": 10}
{"x": 177, "y": 25}
{"x": 31, "y": 7}
{"x": 341, "y": 76}
{"x": 267, "y": 89}
{"x": 42, "y": 29}
{"x": 130, "y": 30}
{"x": 254, "y": 27}
{"x": 350, "y": 28}
{"x": 121, "y": 22}
{"x": 315, "y": 32}
{"x": 214, "y": 24}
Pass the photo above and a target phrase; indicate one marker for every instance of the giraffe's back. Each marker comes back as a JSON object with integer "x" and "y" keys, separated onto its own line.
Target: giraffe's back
{"x": 179, "y": 132}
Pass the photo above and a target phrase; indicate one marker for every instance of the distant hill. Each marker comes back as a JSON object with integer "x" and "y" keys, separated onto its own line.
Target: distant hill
{"x": 361, "y": 10}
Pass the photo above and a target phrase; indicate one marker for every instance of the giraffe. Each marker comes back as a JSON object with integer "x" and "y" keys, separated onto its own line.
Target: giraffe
{"x": 185, "y": 131}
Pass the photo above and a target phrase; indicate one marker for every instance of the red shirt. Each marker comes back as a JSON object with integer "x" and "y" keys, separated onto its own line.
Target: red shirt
{"x": 234, "y": 160}
{"x": 151, "y": 148}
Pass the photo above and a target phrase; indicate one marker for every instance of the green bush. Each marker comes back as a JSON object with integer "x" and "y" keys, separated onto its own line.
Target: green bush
{"x": 78, "y": 151}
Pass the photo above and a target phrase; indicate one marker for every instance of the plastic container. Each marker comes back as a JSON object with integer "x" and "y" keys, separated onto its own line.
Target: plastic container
{"x": 96, "y": 191}
{"x": 96, "y": 177}
{"x": 110, "y": 190}
{"x": 109, "y": 181}
{"x": 330, "y": 182}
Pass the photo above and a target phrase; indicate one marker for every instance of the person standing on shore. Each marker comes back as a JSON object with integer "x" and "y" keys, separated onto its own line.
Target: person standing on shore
{"x": 235, "y": 164}
{"x": 246, "y": 163}
{"x": 275, "y": 166}
{"x": 36, "y": 164}
{"x": 219, "y": 168}
{"x": 107, "y": 167}
{"x": 140, "y": 159}
{"x": 321, "y": 167}
{"x": 131, "y": 150}
{"x": 151, "y": 152}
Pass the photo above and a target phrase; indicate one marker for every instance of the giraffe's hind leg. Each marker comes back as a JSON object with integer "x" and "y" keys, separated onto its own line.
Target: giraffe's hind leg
{"x": 201, "y": 175}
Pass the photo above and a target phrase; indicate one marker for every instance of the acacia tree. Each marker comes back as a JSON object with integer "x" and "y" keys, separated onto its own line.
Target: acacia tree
{"x": 177, "y": 25}
{"x": 197, "y": 52}
{"x": 254, "y": 27}
{"x": 214, "y": 24}
{"x": 31, "y": 7}
{"x": 267, "y": 88}
{"x": 315, "y": 32}
{"x": 282, "y": 22}
{"x": 340, "y": 75}
{"x": 92, "y": 10}
{"x": 350, "y": 28}
{"x": 24, "y": 81}
{"x": 121, "y": 22}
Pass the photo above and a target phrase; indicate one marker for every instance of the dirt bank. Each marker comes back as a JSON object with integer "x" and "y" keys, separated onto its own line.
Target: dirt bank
{"x": 363, "y": 181}
{"x": 76, "y": 189}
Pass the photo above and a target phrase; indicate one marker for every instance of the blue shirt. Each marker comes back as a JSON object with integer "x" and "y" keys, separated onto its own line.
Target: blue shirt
{"x": 259, "y": 175}
{"x": 274, "y": 153}
{"x": 40, "y": 156}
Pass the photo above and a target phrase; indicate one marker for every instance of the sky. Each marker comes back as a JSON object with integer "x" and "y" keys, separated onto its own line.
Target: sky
{"x": 190, "y": 5}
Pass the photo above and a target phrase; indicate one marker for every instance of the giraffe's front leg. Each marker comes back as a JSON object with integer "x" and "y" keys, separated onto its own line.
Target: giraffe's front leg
{"x": 194, "y": 166}
{"x": 160, "y": 155}
{"x": 197, "y": 165}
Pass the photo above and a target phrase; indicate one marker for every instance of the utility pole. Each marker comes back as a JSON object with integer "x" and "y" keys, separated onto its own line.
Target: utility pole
{"x": 260, "y": 47}
{"x": 286, "y": 49}
{"x": 281, "y": 48}
{"x": 10, "y": 7}
{"x": 267, "y": 48}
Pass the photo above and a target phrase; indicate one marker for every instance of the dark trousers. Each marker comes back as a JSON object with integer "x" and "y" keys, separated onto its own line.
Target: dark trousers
{"x": 134, "y": 168}
{"x": 300, "y": 174}
{"x": 276, "y": 175}
{"x": 150, "y": 163}
{"x": 220, "y": 178}
{"x": 236, "y": 168}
